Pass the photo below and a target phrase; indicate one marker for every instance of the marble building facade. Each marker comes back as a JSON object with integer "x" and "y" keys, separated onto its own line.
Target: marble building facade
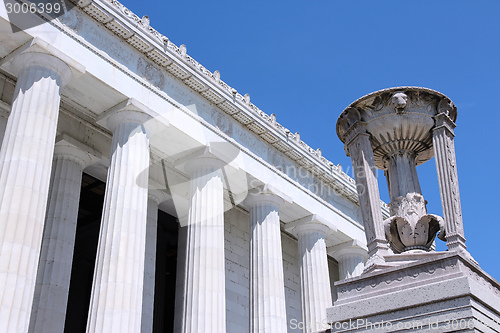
{"x": 139, "y": 192}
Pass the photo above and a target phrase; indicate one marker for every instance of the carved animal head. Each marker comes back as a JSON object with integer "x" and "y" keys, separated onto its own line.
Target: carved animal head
{"x": 399, "y": 100}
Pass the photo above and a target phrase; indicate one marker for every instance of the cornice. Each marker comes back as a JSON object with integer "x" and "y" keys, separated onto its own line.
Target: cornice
{"x": 174, "y": 59}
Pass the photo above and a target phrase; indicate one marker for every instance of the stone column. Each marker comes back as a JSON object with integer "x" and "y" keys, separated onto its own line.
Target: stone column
{"x": 359, "y": 146}
{"x": 154, "y": 199}
{"x": 25, "y": 167}
{"x": 204, "y": 308}
{"x": 54, "y": 269}
{"x": 351, "y": 258}
{"x": 314, "y": 276}
{"x": 116, "y": 300}
{"x": 267, "y": 286}
{"x": 402, "y": 174}
{"x": 444, "y": 151}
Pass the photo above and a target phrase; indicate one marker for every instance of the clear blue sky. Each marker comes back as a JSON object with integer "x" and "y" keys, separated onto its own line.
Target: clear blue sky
{"x": 306, "y": 61}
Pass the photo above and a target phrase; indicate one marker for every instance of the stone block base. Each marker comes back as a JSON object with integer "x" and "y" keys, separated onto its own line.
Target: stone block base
{"x": 440, "y": 292}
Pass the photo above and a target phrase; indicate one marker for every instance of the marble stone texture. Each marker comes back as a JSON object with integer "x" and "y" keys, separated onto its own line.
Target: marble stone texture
{"x": 155, "y": 197}
{"x": 56, "y": 257}
{"x": 267, "y": 289}
{"x": 351, "y": 257}
{"x": 360, "y": 149}
{"x": 395, "y": 130}
{"x": 25, "y": 168}
{"x": 314, "y": 276}
{"x": 204, "y": 306}
{"x": 433, "y": 292}
{"x": 117, "y": 290}
{"x": 446, "y": 167}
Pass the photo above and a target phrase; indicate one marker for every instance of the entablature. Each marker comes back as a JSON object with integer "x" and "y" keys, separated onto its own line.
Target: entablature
{"x": 246, "y": 115}
{"x": 158, "y": 48}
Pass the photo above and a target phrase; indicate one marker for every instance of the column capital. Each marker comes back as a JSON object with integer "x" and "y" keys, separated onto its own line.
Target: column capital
{"x": 216, "y": 154}
{"x": 80, "y": 152}
{"x": 267, "y": 194}
{"x": 204, "y": 160}
{"x": 131, "y": 111}
{"x": 28, "y": 155}
{"x": 310, "y": 223}
{"x": 267, "y": 288}
{"x": 120, "y": 270}
{"x": 352, "y": 247}
{"x": 358, "y": 129}
{"x": 443, "y": 121}
{"x": 38, "y": 52}
{"x": 205, "y": 221}
{"x": 157, "y": 196}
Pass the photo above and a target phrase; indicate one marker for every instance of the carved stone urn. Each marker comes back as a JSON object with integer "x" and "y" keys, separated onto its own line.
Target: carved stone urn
{"x": 399, "y": 124}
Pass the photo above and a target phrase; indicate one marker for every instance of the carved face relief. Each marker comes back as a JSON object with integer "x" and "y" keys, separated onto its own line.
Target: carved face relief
{"x": 399, "y": 100}
{"x": 411, "y": 227}
{"x": 411, "y": 207}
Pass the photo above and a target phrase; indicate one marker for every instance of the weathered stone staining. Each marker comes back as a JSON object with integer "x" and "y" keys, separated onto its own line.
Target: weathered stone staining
{"x": 447, "y": 176}
{"x": 414, "y": 288}
{"x": 410, "y": 227}
{"x": 358, "y": 146}
{"x": 398, "y": 126}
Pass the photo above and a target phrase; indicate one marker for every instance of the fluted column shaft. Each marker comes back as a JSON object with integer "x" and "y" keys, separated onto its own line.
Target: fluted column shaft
{"x": 350, "y": 265}
{"x": 204, "y": 308}
{"x": 25, "y": 167}
{"x": 402, "y": 173}
{"x": 351, "y": 259}
{"x": 316, "y": 293}
{"x": 444, "y": 151}
{"x": 116, "y": 300}
{"x": 361, "y": 152}
{"x": 54, "y": 269}
{"x": 267, "y": 286}
{"x": 154, "y": 200}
